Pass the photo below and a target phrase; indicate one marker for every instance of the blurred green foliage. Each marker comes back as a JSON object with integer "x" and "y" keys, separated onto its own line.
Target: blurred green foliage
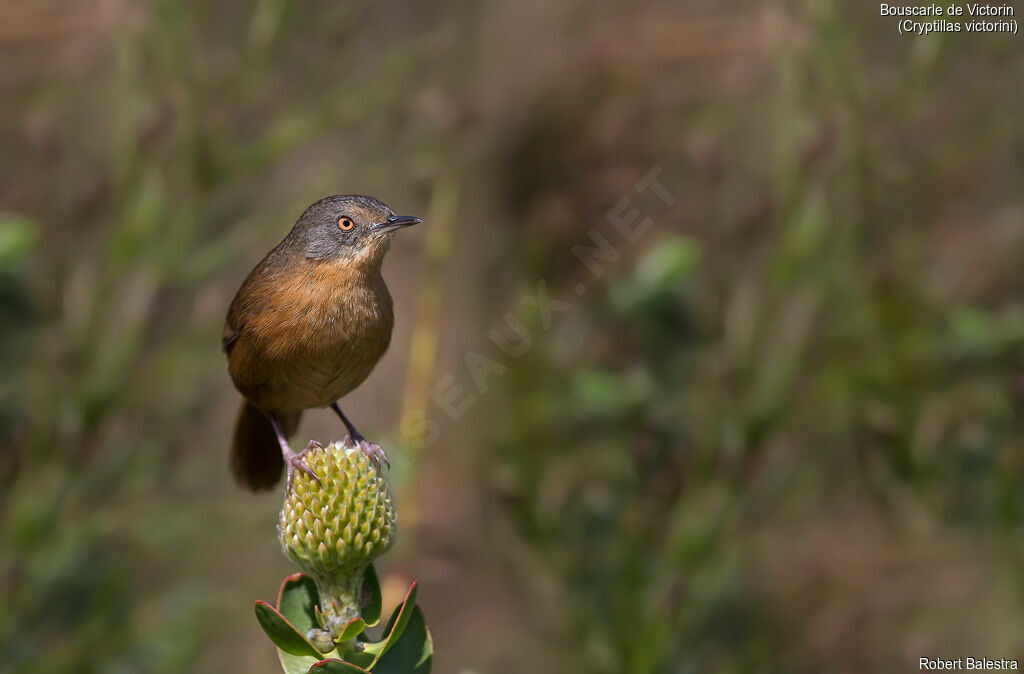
{"x": 111, "y": 308}
{"x": 696, "y": 416}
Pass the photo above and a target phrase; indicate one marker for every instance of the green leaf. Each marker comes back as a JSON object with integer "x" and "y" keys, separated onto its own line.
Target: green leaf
{"x": 668, "y": 264}
{"x": 284, "y": 635}
{"x": 396, "y": 625}
{"x": 298, "y": 664}
{"x": 662, "y": 271}
{"x": 17, "y": 237}
{"x": 297, "y": 601}
{"x": 413, "y": 653}
{"x": 354, "y": 628}
{"x": 371, "y": 588}
{"x": 361, "y": 659}
{"x": 334, "y": 666}
{"x": 603, "y": 394}
{"x": 597, "y": 391}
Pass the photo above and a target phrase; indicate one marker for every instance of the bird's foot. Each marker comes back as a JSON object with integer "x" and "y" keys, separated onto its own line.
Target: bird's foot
{"x": 371, "y": 449}
{"x": 295, "y": 462}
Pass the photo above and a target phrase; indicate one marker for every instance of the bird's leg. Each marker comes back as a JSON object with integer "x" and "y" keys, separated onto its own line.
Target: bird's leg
{"x": 291, "y": 459}
{"x": 371, "y": 449}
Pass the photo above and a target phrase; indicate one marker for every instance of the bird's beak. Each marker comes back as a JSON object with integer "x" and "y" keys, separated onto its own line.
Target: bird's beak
{"x": 395, "y": 222}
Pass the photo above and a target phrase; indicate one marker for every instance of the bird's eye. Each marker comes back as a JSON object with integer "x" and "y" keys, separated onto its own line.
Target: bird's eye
{"x": 345, "y": 223}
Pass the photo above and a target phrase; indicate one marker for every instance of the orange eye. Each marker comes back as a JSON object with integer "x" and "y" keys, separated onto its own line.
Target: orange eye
{"x": 346, "y": 223}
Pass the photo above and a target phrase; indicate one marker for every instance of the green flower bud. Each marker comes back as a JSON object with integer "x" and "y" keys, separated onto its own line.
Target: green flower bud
{"x": 321, "y": 640}
{"x": 335, "y": 530}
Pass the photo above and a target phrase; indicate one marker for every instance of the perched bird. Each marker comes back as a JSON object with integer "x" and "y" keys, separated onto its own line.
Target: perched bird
{"x": 308, "y": 326}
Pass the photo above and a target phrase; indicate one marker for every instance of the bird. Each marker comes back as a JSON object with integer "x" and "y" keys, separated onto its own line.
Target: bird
{"x": 307, "y": 326}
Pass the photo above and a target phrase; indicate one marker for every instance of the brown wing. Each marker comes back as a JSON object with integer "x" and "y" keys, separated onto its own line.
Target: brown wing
{"x": 235, "y": 322}
{"x": 229, "y": 337}
{"x": 236, "y": 338}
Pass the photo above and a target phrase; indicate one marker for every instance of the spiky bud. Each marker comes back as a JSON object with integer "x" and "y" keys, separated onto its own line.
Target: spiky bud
{"x": 335, "y": 528}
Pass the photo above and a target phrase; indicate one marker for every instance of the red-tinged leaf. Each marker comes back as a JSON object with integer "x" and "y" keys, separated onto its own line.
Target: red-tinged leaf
{"x": 371, "y": 592}
{"x": 336, "y": 667}
{"x": 352, "y": 629}
{"x": 295, "y": 577}
{"x": 413, "y": 653}
{"x": 297, "y": 601}
{"x": 396, "y": 625}
{"x": 284, "y": 635}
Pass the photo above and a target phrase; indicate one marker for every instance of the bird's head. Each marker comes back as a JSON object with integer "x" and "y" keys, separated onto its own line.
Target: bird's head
{"x": 348, "y": 227}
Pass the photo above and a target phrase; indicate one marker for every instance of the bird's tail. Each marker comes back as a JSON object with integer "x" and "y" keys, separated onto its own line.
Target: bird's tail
{"x": 256, "y": 459}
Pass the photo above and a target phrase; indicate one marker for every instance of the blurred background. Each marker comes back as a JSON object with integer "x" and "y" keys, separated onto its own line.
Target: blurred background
{"x": 777, "y": 427}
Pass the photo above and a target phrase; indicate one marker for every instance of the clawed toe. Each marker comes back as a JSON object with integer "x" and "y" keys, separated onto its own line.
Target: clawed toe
{"x": 355, "y": 438}
{"x": 375, "y": 452}
{"x": 295, "y": 462}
